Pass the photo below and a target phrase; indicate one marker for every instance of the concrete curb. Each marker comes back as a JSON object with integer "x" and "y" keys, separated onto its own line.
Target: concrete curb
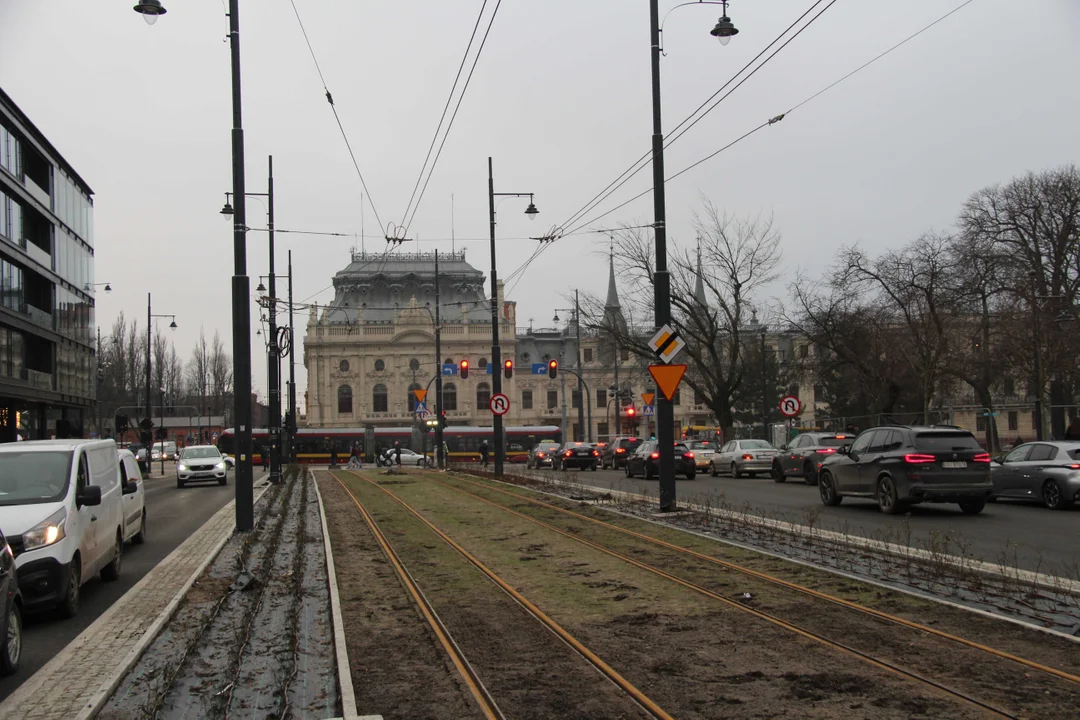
{"x": 348, "y": 698}
{"x": 108, "y": 687}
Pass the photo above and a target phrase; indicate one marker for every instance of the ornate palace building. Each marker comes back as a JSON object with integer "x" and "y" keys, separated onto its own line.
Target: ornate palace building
{"x": 367, "y": 351}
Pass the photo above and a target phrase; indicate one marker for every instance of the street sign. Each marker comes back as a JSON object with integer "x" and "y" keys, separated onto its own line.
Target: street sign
{"x": 499, "y": 404}
{"x": 539, "y": 368}
{"x": 420, "y": 395}
{"x": 648, "y": 411}
{"x": 667, "y": 378}
{"x": 449, "y": 369}
{"x": 421, "y": 410}
{"x": 666, "y": 343}
{"x": 790, "y": 406}
{"x": 648, "y": 397}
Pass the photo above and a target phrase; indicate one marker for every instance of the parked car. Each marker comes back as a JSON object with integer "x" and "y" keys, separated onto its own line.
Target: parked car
{"x": 134, "y": 499}
{"x": 1048, "y": 472}
{"x": 11, "y": 622}
{"x": 645, "y": 461}
{"x": 902, "y": 465}
{"x": 703, "y": 451}
{"x": 805, "y": 454}
{"x": 739, "y": 457}
{"x": 614, "y": 455}
{"x": 541, "y": 455}
{"x": 199, "y": 463}
{"x": 61, "y": 509}
{"x": 580, "y": 455}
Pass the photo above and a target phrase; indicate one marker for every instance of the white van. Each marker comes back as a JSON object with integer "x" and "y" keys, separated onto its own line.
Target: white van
{"x": 61, "y": 509}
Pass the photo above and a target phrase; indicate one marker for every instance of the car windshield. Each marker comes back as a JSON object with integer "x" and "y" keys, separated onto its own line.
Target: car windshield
{"x": 833, "y": 441}
{"x": 755, "y": 445}
{"x": 946, "y": 441}
{"x": 201, "y": 452}
{"x": 630, "y": 443}
{"x": 679, "y": 447}
{"x": 546, "y": 447}
{"x": 27, "y": 478}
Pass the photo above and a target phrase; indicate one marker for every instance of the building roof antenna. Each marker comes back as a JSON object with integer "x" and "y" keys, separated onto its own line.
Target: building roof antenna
{"x": 452, "y": 247}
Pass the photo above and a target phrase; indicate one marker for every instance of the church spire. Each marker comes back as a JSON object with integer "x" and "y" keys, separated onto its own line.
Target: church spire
{"x": 699, "y": 286}
{"x": 612, "y": 302}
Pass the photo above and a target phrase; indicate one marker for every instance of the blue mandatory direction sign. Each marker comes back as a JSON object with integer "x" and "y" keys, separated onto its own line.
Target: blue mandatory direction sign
{"x": 539, "y": 368}
{"x": 449, "y": 369}
{"x": 648, "y": 411}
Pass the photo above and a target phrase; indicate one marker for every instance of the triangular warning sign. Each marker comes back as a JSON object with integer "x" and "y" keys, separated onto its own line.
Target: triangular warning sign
{"x": 420, "y": 395}
{"x": 648, "y": 397}
{"x": 667, "y": 378}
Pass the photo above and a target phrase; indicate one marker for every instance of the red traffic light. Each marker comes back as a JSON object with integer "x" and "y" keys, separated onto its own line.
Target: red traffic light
{"x": 463, "y": 369}
{"x": 553, "y": 369}
{"x": 508, "y": 369}
{"x": 630, "y": 412}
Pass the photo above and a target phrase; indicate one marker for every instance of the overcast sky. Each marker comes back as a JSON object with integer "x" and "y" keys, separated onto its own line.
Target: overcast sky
{"x": 560, "y": 98}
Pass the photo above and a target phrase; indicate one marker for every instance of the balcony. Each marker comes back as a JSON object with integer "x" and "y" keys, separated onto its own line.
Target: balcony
{"x": 41, "y": 380}
{"x": 39, "y": 316}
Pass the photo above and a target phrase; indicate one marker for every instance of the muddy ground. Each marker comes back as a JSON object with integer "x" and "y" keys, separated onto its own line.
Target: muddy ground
{"x": 253, "y": 637}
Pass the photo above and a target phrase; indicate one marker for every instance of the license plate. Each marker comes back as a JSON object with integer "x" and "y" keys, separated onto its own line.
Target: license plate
{"x": 583, "y": 454}
{"x": 951, "y": 464}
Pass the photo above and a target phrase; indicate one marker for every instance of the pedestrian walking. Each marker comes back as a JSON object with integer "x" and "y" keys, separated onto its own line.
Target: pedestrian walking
{"x": 397, "y": 453}
{"x": 333, "y": 458}
{"x": 354, "y": 458}
{"x": 484, "y": 454}
{"x": 1073, "y": 431}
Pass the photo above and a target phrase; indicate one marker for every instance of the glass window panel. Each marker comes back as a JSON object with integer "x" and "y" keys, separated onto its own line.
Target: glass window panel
{"x": 16, "y": 341}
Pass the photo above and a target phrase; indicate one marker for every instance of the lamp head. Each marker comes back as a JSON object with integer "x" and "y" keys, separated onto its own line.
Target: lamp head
{"x": 556, "y": 318}
{"x": 150, "y": 9}
{"x": 531, "y": 211}
{"x": 172, "y": 325}
{"x": 227, "y": 209}
{"x": 261, "y": 288}
{"x": 108, "y": 288}
{"x": 724, "y": 30}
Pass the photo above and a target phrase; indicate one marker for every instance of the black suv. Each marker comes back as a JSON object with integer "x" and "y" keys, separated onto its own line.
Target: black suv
{"x": 615, "y": 454}
{"x": 900, "y": 465}
{"x": 646, "y": 461}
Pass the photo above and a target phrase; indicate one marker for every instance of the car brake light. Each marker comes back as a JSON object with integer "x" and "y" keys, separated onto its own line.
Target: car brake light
{"x": 620, "y": 450}
{"x": 595, "y": 453}
{"x": 919, "y": 458}
{"x": 982, "y": 457}
{"x": 748, "y": 457}
{"x": 1073, "y": 467}
{"x": 826, "y": 451}
{"x": 655, "y": 455}
{"x": 539, "y": 454}
{"x": 688, "y": 456}
{"x": 567, "y": 453}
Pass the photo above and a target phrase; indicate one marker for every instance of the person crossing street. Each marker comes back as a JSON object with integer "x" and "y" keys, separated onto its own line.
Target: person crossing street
{"x": 484, "y": 454}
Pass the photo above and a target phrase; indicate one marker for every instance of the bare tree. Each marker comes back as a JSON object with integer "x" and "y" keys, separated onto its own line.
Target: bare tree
{"x": 220, "y": 375}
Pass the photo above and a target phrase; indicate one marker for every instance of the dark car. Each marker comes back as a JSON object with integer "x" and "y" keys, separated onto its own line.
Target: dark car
{"x": 902, "y": 465}
{"x": 580, "y": 455}
{"x": 645, "y": 461}
{"x": 805, "y": 454}
{"x": 541, "y": 455}
{"x": 614, "y": 455}
{"x": 1045, "y": 471}
{"x": 11, "y": 622}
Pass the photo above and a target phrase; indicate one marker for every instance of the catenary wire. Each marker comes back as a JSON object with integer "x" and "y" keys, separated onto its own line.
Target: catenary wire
{"x": 337, "y": 118}
{"x": 449, "y": 99}
{"x": 464, "y": 89}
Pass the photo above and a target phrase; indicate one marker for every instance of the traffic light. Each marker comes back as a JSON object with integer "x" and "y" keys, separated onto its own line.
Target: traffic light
{"x": 442, "y": 418}
{"x": 161, "y": 435}
{"x": 121, "y": 424}
{"x": 553, "y": 369}
{"x": 145, "y": 437}
{"x": 508, "y": 369}
{"x": 613, "y": 390}
{"x": 463, "y": 369}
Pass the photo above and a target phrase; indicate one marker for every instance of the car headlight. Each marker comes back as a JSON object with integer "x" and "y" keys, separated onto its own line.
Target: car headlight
{"x": 182, "y": 467}
{"x": 220, "y": 465}
{"x": 45, "y": 533}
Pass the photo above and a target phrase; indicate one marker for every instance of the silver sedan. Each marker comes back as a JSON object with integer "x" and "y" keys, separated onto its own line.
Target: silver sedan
{"x": 739, "y": 457}
{"x": 1048, "y": 472}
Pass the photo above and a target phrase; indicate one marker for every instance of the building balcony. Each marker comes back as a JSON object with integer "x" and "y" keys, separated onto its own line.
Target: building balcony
{"x": 39, "y": 316}
{"x": 41, "y": 380}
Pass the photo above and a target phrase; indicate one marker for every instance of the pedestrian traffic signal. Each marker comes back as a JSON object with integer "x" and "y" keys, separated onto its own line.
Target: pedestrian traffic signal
{"x": 553, "y": 368}
{"x": 463, "y": 369}
{"x": 508, "y": 369}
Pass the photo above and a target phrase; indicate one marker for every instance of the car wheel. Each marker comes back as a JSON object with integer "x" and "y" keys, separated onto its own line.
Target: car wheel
{"x": 778, "y": 472}
{"x": 140, "y": 537}
{"x": 712, "y": 469}
{"x": 1052, "y": 496}
{"x": 735, "y": 471}
{"x": 69, "y": 606}
{"x": 12, "y": 650}
{"x": 827, "y": 490}
{"x": 648, "y": 472}
{"x": 179, "y": 483}
{"x": 973, "y": 507}
{"x": 593, "y": 468}
{"x": 222, "y": 481}
{"x": 111, "y": 571}
{"x": 691, "y": 475}
{"x": 626, "y": 469}
{"x": 888, "y": 502}
{"x": 808, "y": 474}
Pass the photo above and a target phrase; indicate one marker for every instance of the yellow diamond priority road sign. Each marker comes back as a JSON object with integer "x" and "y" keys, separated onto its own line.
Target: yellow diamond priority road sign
{"x": 666, "y": 343}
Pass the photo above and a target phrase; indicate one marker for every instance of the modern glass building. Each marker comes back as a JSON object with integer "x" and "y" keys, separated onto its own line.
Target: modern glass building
{"x": 47, "y": 358}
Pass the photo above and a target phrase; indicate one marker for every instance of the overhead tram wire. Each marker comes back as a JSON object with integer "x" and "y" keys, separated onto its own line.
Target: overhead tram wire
{"x": 765, "y": 124}
{"x": 464, "y": 89}
{"x": 449, "y": 99}
{"x": 345, "y": 137}
{"x": 601, "y": 196}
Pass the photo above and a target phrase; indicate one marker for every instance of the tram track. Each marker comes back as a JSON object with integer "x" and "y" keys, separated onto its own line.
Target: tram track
{"x": 480, "y": 693}
{"x": 867, "y": 657}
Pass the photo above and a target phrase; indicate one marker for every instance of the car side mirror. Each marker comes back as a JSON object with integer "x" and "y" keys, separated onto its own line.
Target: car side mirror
{"x": 844, "y": 449}
{"x": 88, "y": 496}
{"x": 782, "y": 447}
{"x": 1000, "y": 459}
{"x": 131, "y": 488}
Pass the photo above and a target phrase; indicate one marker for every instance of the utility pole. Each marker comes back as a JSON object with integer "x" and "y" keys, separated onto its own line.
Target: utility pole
{"x": 273, "y": 354}
{"x": 147, "y": 415}
{"x": 580, "y": 388}
{"x": 562, "y": 380}
{"x": 618, "y": 395}
{"x": 764, "y": 391}
{"x": 438, "y": 374}
{"x": 292, "y": 371}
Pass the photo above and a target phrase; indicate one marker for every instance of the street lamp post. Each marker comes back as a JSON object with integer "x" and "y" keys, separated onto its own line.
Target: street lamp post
{"x": 665, "y": 411}
{"x": 149, "y": 336}
{"x": 241, "y": 303}
{"x": 496, "y": 353}
{"x": 443, "y": 461}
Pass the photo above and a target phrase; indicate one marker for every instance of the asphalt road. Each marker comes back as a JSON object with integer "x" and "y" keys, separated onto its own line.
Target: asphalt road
{"x": 172, "y": 516}
{"x": 1043, "y": 539}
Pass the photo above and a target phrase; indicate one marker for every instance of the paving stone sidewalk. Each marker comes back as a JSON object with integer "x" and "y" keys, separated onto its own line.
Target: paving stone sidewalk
{"x": 81, "y": 676}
